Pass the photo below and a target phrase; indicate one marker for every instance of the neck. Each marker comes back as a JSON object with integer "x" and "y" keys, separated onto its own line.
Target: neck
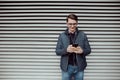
{"x": 72, "y": 31}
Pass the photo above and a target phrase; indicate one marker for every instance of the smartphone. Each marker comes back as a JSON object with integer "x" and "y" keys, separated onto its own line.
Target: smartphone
{"x": 75, "y": 45}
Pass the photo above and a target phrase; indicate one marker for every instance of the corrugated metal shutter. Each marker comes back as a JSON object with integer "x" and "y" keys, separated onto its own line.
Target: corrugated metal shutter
{"x": 29, "y": 30}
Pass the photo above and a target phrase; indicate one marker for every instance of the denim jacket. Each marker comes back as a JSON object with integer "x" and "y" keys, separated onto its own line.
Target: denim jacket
{"x": 61, "y": 49}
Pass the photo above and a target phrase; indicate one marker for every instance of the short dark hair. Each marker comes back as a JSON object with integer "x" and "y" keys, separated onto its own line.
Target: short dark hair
{"x": 72, "y": 16}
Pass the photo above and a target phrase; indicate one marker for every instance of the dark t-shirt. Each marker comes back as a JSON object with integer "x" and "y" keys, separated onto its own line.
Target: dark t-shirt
{"x": 72, "y": 56}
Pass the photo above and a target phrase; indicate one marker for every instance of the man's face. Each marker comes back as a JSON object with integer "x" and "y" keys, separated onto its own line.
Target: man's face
{"x": 72, "y": 24}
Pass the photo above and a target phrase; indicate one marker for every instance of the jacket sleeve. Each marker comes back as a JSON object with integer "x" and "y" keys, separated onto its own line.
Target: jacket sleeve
{"x": 60, "y": 49}
{"x": 87, "y": 48}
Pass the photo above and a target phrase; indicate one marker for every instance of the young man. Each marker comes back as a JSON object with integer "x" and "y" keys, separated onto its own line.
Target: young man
{"x": 73, "y": 47}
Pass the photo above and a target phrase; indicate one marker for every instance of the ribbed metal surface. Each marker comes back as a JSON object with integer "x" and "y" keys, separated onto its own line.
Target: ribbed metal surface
{"x": 29, "y": 31}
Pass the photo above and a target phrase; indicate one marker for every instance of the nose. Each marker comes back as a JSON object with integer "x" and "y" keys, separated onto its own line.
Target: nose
{"x": 72, "y": 26}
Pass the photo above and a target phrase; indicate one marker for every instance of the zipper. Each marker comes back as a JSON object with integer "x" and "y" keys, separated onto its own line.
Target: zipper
{"x": 68, "y": 56}
{"x": 67, "y": 62}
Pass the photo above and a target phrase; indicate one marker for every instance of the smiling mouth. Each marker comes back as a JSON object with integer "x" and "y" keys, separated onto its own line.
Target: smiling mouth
{"x": 72, "y": 28}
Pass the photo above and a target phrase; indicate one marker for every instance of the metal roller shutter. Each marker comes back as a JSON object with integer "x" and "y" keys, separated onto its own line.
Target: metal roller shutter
{"x": 29, "y": 30}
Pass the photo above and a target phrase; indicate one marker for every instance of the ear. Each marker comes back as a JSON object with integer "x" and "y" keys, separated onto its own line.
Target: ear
{"x": 67, "y": 24}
